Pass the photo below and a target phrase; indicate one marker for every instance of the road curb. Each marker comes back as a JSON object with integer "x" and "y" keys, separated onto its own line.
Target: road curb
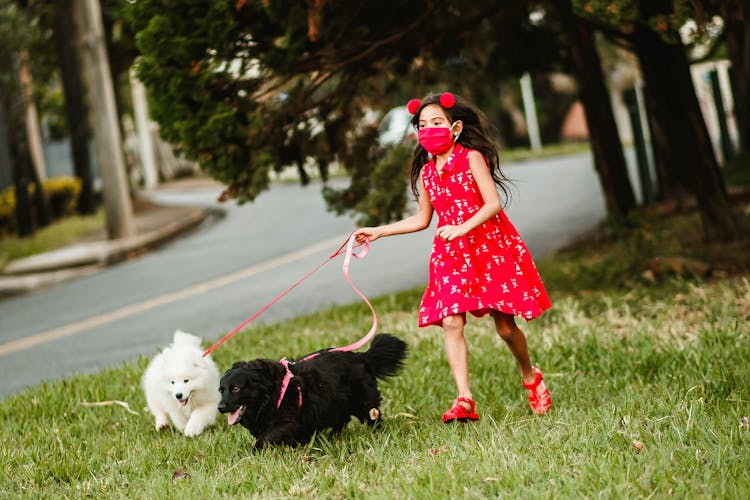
{"x": 15, "y": 285}
{"x": 57, "y": 266}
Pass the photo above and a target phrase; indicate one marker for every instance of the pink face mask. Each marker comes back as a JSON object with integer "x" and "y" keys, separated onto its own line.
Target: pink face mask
{"x": 437, "y": 140}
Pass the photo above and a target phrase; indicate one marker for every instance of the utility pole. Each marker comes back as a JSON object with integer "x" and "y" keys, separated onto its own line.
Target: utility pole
{"x": 103, "y": 113}
{"x": 529, "y": 109}
{"x": 727, "y": 149}
{"x": 630, "y": 97}
{"x": 145, "y": 141}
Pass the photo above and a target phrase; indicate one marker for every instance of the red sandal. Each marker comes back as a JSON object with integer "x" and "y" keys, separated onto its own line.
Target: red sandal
{"x": 458, "y": 412}
{"x": 540, "y": 402}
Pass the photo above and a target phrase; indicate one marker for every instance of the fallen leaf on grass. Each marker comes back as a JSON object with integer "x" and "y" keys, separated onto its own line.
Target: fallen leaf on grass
{"x": 109, "y": 403}
{"x": 404, "y": 414}
{"x": 637, "y": 445}
{"x": 745, "y": 423}
{"x": 680, "y": 266}
{"x": 489, "y": 479}
{"x": 179, "y": 474}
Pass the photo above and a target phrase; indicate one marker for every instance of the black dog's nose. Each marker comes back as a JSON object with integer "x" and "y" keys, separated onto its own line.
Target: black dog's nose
{"x": 222, "y": 407}
{"x": 178, "y": 395}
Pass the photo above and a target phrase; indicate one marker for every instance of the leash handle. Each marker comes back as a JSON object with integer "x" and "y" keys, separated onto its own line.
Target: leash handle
{"x": 347, "y": 260}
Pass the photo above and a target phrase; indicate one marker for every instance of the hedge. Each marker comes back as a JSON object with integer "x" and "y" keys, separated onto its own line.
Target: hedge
{"x": 62, "y": 193}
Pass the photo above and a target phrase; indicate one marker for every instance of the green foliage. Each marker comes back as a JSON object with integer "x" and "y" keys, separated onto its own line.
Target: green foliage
{"x": 621, "y": 13}
{"x": 380, "y": 193}
{"x": 22, "y": 29}
{"x": 250, "y": 87}
{"x": 14, "y": 36}
{"x": 665, "y": 17}
{"x": 51, "y": 105}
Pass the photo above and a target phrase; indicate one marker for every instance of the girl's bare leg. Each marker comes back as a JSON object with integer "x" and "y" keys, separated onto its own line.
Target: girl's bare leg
{"x": 455, "y": 350}
{"x": 516, "y": 341}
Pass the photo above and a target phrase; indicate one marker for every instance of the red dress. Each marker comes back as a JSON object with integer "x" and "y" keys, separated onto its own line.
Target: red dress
{"x": 489, "y": 268}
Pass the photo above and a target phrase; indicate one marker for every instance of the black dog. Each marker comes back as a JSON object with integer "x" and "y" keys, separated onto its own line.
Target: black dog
{"x": 324, "y": 391}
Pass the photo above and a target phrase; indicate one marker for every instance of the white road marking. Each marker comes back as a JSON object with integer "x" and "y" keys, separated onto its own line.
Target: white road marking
{"x": 168, "y": 298}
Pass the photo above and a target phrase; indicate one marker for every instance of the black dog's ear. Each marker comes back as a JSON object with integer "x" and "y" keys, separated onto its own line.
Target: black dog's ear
{"x": 237, "y": 368}
{"x": 262, "y": 373}
{"x": 270, "y": 368}
{"x": 239, "y": 364}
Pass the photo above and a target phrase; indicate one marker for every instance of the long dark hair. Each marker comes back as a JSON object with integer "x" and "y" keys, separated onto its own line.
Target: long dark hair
{"x": 478, "y": 133}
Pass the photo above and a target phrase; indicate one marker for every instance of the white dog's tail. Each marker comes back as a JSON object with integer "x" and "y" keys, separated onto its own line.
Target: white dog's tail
{"x": 181, "y": 337}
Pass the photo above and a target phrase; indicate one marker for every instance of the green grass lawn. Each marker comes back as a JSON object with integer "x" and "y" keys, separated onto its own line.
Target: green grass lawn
{"x": 629, "y": 362}
{"x": 56, "y": 235}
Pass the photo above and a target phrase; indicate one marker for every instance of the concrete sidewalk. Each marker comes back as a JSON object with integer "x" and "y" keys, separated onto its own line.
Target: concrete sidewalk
{"x": 155, "y": 225}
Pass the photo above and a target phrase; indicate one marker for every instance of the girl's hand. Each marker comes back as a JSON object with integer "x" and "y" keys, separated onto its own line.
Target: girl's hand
{"x": 449, "y": 232}
{"x": 365, "y": 234}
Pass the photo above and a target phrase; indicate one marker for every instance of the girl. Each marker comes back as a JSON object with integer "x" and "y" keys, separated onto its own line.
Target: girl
{"x": 479, "y": 263}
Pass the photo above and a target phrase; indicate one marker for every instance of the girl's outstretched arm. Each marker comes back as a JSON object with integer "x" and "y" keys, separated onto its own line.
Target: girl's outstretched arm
{"x": 416, "y": 222}
{"x": 491, "y": 207}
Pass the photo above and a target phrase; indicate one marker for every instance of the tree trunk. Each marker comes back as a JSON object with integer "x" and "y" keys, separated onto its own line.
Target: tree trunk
{"x": 676, "y": 112}
{"x": 668, "y": 182}
{"x": 75, "y": 105}
{"x": 737, "y": 18}
{"x": 605, "y": 140}
{"x": 21, "y": 167}
{"x": 32, "y": 142}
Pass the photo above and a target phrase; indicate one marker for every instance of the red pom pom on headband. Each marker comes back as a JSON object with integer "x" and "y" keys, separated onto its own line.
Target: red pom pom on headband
{"x": 413, "y": 105}
{"x": 447, "y": 100}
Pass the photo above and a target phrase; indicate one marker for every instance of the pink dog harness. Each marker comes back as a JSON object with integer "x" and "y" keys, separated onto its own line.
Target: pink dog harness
{"x": 288, "y": 376}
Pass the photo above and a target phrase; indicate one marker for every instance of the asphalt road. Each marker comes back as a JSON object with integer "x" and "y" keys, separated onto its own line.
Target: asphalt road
{"x": 212, "y": 280}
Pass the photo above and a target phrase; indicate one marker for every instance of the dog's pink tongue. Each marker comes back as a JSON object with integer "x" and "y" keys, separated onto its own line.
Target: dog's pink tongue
{"x": 234, "y": 417}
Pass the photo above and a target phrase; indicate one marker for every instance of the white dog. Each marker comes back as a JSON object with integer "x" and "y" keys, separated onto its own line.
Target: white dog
{"x": 182, "y": 386}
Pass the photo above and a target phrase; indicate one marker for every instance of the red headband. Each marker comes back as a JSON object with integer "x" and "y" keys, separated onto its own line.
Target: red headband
{"x": 447, "y": 100}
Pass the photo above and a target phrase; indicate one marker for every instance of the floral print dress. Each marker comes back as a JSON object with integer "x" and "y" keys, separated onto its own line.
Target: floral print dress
{"x": 489, "y": 268}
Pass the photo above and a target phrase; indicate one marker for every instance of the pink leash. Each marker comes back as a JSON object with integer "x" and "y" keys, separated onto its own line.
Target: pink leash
{"x": 347, "y": 260}
{"x": 349, "y": 244}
